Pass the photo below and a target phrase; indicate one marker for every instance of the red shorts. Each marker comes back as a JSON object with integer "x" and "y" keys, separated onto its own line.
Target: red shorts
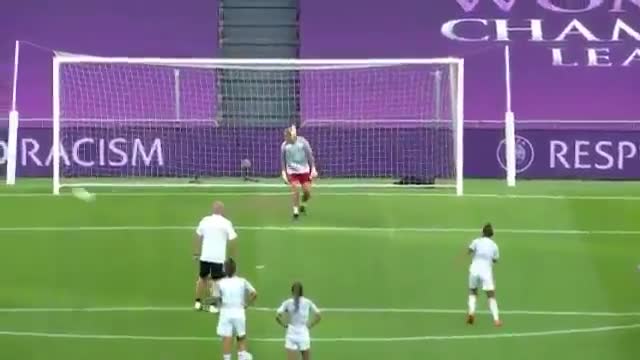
{"x": 299, "y": 178}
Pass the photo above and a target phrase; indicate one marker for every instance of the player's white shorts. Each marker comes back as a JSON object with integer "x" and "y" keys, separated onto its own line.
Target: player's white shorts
{"x": 229, "y": 326}
{"x": 297, "y": 338}
{"x": 482, "y": 281}
{"x": 297, "y": 343}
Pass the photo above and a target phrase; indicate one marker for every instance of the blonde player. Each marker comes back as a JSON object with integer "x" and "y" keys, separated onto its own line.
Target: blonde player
{"x": 294, "y": 315}
{"x": 298, "y": 168}
{"x": 235, "y": 295}
{"x": 485, "y": 254}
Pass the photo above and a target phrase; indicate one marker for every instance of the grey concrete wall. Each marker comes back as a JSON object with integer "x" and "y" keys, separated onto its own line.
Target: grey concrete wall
{"x": 258, "y": 29}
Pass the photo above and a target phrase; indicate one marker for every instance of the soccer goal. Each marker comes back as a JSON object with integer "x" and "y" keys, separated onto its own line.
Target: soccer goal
{"x": 143, "y": 122}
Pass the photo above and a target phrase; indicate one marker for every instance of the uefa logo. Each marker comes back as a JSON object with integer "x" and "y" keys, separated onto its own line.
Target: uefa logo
{"x": 524, "y": 154}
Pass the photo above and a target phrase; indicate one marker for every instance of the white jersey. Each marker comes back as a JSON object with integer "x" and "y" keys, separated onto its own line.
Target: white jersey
{"x": 299, "y": 318}
{"x": 298, "y": 337}
{"x": 485, "y": 253}
{"x": 216, "y": 231}
{"x": 233, "y": 295}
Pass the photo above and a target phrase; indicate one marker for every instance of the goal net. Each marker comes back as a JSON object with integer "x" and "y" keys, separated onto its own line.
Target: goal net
{"x": 219, "y": 122}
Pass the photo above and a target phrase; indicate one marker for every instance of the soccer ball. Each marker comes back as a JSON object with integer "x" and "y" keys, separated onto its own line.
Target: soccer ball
{"x": 82, "y": 194}
{"x": 245, "y": 164}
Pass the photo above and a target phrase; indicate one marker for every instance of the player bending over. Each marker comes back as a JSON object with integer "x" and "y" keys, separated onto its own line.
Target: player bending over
{"x": 298, "y": 168}
{"x": 235, "y": 295}
{"x": 293, "y": 315}
{"x": 485, "y": 254}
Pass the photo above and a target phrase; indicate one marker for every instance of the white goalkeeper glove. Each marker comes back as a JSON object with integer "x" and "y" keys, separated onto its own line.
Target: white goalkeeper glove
{"x": 285, "y": 177}
{"x": 314, "y": 173}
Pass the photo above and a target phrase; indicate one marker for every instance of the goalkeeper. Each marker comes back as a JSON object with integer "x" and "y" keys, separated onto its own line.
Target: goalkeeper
{"x": 298, "y": 168}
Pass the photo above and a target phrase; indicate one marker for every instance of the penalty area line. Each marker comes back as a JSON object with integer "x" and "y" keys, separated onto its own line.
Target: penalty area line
{"x": 329, "y": 310}
{"x": 320, "y": 229}
{"x": 398, "y": 193}
{"x": 343, "y": 339}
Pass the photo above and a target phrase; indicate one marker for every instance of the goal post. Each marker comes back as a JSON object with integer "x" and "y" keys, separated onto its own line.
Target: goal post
{"x": 171, "y": 122}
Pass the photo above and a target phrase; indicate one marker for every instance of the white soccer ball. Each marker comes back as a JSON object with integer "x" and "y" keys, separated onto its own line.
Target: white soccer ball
{"x": 83, "y": 194}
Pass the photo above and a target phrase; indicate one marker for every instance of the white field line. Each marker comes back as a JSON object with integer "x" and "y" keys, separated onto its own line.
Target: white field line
{"x": 342, "y": 339}
{"x": 320, "y": 229}
{"x": 326, "y": 310}
{"x": 408, "y": 193}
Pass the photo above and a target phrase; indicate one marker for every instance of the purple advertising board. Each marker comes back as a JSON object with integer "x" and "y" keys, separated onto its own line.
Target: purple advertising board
{"x": 345, "y": 152}
{"x": 571, "y": 59}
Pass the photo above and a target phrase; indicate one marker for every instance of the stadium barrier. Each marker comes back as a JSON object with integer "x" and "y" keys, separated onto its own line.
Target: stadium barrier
{"x": 553, "y": 150}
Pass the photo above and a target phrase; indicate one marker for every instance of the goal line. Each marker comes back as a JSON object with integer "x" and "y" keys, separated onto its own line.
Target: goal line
{"x": 263, "y": 182}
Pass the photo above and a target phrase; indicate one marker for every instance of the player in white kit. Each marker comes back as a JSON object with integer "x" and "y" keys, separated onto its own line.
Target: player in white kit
{"x": 485, "y": 254}
{"x": 235, "y": 295}
{"x": 214, "y": 234}
{"x": 294, "y": 314}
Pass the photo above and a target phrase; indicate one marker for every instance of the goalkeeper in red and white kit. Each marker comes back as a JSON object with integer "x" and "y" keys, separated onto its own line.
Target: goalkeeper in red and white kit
{"x": 298, "y": 168}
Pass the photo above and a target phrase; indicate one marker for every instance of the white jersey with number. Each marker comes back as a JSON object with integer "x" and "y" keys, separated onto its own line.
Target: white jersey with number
{"x": 216, "y": 231}
{"x": 485, "y": 253}
{"x": 297, "y": 337}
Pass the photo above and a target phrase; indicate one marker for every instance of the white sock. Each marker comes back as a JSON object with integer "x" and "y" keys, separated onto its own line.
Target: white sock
{"x": 295, "y": 209}
{"x": 472, "y": 304}
{"x": 226, "y": 357}
{"x": 242, "y": 355}
{"x": 493, "y": 306}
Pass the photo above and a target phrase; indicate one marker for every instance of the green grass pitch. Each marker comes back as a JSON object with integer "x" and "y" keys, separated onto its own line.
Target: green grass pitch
{"x": 114, "y": 279}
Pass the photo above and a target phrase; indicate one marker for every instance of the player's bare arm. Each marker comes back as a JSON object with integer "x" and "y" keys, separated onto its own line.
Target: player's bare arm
{"x": 310, "y": 158}
{"x": 251, "y": 298}
{"x": 467, "y": 252}
{"x": 283, "y": 163}
{"x": 316, "y": 319}
{"x": 280, "y": 320}
{"x": 232, "y": 248}
{"x": 197, "y": 246}
{"x": 216, "y": 295}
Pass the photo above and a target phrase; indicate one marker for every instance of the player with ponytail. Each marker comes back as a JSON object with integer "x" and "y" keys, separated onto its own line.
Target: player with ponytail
{"x": 294, "y": 315}
{"x": 297, "y": 291}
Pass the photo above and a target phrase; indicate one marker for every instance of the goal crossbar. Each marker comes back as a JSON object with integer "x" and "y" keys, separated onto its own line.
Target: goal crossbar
{"x": 72, "y": 58}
